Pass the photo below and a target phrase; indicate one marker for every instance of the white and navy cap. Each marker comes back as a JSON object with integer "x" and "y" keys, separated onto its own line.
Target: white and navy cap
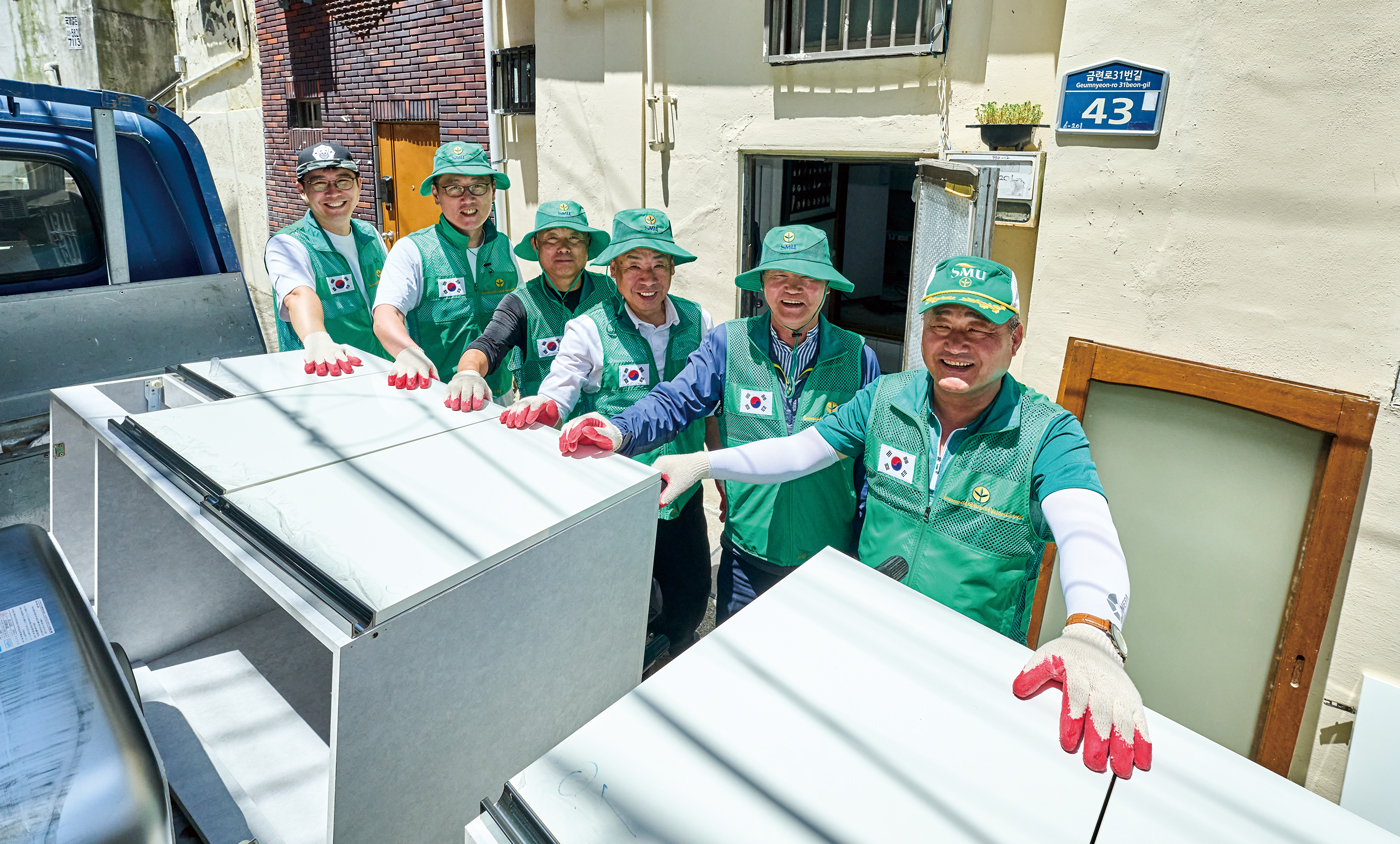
{"x": 325, "y": 154}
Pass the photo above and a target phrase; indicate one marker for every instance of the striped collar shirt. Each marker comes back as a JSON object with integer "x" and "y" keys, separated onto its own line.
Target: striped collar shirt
{"x": 793, "y": 363}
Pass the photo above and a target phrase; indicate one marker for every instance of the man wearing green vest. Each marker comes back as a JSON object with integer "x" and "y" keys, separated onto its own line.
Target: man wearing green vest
{"x": 531, "y": 320}
{"x": 971, "y": 474}
{"x": 325, "y": 267}
{"x": 614, "y": 355}
{"x": 770, "y": 376}
{"x": 441, "y": 284}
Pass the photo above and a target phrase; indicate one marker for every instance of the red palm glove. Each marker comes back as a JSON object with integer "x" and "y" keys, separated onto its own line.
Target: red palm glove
{"x": 323, "y": 356}
{"x": 590, "y": 429}
{"x": 412, "y": 370}
{"x": 528, "y": 411}
{"x": 1101, "y": 704}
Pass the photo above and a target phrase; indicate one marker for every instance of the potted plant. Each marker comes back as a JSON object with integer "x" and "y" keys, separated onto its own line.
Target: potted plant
{"x": 1008, "y": 124}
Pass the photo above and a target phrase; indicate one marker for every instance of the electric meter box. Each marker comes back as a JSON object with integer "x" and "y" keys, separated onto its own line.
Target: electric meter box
{"x": 1020, "y": 176}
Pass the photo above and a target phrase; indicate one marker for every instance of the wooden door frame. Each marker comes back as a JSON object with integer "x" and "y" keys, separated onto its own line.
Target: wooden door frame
{"x": 1348, "y": 418}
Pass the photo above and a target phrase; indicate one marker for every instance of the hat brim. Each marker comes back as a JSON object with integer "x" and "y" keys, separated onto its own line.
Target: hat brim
{"x": 597, "y": 239}
{"x": 501, "y": 179}
{"x": 984, "y": 306}
{"x": 665, "y": 247}
{"x": 343, "y": 164}
{"x": 753, "y": 279}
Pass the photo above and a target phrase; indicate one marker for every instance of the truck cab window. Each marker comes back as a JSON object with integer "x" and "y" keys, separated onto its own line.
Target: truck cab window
{"x": 46, "y": 229}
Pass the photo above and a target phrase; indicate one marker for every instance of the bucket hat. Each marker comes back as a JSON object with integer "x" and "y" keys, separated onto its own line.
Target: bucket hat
{"x": 797, "y": 249}
{"x": 463, "y": 159}
{"x": 642, "y": 228}
{"x": 562, "y": 214}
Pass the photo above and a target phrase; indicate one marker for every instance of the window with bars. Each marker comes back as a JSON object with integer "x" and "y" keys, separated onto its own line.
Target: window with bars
{"x": 513, "y": 78}
{"x": 828, "y": 30}
{"x": 304, "y": 114}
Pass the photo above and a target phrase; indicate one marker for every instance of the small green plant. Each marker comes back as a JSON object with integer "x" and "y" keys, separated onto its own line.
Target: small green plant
{"x": 1023, "y": 113}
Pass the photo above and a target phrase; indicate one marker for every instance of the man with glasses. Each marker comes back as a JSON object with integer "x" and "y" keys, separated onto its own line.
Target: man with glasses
{"x": 531, "y": 320}
{"x": 325, "y": 266}
{"x": 442, "y": 284}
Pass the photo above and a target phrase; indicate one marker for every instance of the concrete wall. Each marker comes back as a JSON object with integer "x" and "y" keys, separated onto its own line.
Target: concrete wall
{"x": 32, "y": 35}
{"x": 1257, "y": 234}
{"x": 225, "y": 111}
{"x": 588, "y": 127}
{"x": 135, "y": 41}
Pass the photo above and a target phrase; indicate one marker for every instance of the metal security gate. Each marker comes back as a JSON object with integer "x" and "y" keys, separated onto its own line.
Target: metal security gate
{"x": 954, "y": 216}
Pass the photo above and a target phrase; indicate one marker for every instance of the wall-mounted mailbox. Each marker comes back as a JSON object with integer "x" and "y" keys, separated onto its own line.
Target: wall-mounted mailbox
{"x": 1020, "y": 175}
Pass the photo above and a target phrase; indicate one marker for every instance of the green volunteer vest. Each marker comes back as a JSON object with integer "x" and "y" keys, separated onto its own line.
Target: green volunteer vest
{"x": 347, "y": 318}
{"x": 457, "y": 305}
{"x": 786, "y": 523}
{"x": 545, "y": 318}
{"x": 972, "y": 545}
{"x": 629, "y": 373}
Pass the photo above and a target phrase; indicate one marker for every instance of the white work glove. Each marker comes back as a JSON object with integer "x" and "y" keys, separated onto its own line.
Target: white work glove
{"x": 681, "y": 472}
{"x": 412, "y": 369}
{"x": 324, "y": 356}
{"x": 530, "y": 410}
{"x": 1101, "y": 704}
{"x": 467, "y": 391}
{"x": 590, "y": 429}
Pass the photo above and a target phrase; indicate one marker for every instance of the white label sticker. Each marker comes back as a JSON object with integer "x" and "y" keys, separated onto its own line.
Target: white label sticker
{"x": 897, "y": 464}
{"x": 449, "y": 287}
{"x": 547, "y": 347}
{"x": 755, "y": 403}
{"x": 23, "y": 624}
{"x": 1149, "y": 100}
{"x": 340, "y": 283}
{"x": 634, "y": 375}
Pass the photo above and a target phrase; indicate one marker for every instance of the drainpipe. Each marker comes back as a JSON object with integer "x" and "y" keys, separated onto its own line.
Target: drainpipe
{"x": 648, "y": 97}
{"x": 493, "y": 121}
{"x": 183, "y": 86}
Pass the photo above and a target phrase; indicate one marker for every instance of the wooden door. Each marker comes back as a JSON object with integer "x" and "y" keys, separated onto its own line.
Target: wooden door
{"x": 406, "y": 159}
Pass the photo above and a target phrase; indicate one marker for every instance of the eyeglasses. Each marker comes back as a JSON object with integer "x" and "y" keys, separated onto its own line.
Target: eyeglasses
{"x": 457, "y": 190}
{"x": 323, "y": 185}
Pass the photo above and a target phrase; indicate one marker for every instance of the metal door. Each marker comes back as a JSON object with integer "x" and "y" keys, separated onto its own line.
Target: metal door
{"x": 954, "y": 216}
{"x": 405, "y": 160}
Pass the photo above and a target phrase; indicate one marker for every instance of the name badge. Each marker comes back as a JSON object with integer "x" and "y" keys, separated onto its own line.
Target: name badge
{"x": 547, "y": 347}
{"x": 897, "y": 464}
{"x": 450, "y": 287}
{"x": 755, "y": 403}
{"x": 634, "y": 375}
{"x": 340, "y": 283}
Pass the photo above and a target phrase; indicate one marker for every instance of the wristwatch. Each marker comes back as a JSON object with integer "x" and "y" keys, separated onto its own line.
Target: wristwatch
{"x": 1115, "y": 634}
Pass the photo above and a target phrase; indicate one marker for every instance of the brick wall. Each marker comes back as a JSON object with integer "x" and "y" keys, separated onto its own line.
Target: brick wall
{"x": 365, "y": 58}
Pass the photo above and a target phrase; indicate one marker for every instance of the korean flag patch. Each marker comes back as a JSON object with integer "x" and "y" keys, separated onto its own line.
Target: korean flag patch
{"x": 633, "y": 375}
{"x": 449, "y": 287}
{"x": 755, "y": 403}
{"x": 340, "y": 283}
{"x": 547, "y": 347}
{"x": 897, "y": 464}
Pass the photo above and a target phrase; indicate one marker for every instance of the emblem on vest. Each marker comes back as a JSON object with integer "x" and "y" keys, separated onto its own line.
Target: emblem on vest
{"x": 449, "y": 287}
{"x": 755, "y": 403}
{"x": 633, "y": 375}
{"x": 340, "y": 283}
{"x": 831, "y": 407}
{"x": 981, "y": 495}
{"x": 547, "y": 347}
{"x": 897, "y": 464}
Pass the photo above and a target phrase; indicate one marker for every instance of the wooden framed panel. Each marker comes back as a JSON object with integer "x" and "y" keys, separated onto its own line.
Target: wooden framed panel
{"x": 1344, "y": 419}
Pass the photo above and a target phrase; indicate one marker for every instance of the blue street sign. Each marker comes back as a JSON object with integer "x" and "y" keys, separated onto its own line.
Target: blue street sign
{"x": 1116, "y": 97}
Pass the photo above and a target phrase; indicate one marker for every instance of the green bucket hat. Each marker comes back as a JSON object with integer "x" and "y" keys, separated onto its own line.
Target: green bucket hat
{"x": 463, "y": 159}
{"x": 642, "y": 228}
{"x": 562, "y": 214}
{"x": 797, "y": 249}
{"x": 985, "y": 287}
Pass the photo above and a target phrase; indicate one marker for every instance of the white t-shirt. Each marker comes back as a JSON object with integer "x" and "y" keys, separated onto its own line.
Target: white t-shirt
{"x": 401, "y": 283}
{"x": 578, "y": 367}
{"x": 289, "y": 267}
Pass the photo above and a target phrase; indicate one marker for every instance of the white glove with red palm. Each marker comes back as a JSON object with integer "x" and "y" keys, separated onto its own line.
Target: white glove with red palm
{"x": 681, "y": 472}
{"x": 467, "y": 391}
{"x": 1101, "y": 704}
{"x": 324, "y": 356}
{"x": 590, "y": 429}
{"x": 528, "y": 411}
{"x": 412, "y": 369}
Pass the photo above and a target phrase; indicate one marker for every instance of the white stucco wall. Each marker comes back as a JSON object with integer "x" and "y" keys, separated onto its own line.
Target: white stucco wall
{"x": 1258, "y": 234}
{"x": 710, "y": 57}
{"x": 225, "y": 111}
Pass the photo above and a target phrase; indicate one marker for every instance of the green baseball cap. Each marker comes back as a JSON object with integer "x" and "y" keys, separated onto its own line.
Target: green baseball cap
{"x": 797, "y": 249}
{"x": 642, "y": 228}
{"x": 562, "y": 214}
{"x": 985, "y": 287}
{"x": 463, "y": 159}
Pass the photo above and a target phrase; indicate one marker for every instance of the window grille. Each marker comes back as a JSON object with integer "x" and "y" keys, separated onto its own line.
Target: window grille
{"x": 828, "y": 30}
{"x": 304, "y": 114}
{"x": 513, "y": 78}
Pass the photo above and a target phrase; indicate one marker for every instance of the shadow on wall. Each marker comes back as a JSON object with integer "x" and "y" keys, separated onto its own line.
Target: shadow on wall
{"x": 875, "y": 88}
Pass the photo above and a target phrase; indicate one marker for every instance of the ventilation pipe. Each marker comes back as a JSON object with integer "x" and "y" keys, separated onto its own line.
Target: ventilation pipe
{"x": 493, "y": 120}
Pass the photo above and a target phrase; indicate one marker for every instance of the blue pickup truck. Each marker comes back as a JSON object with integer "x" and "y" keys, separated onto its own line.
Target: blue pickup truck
{"x": 115, "y": 261}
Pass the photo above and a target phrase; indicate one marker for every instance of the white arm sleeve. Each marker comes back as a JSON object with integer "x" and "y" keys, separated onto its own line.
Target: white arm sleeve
{"x": 773, "y": 461}
{"x": 577, "y": 365}
{"x": 288, "y": 267}
{"x": 401, "y": 281}
{"x": 1093, "y": 571}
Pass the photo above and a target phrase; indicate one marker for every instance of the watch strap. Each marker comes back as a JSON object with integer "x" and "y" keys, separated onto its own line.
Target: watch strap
{"x": 1091, "y": 620}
